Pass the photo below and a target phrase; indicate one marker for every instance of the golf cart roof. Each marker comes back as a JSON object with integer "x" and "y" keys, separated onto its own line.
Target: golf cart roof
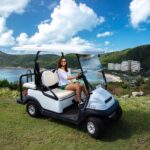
{"x": 57, "y": 49}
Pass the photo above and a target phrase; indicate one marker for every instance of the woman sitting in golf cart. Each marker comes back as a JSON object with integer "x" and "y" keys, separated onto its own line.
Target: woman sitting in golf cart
{"x": 65, "y": 80}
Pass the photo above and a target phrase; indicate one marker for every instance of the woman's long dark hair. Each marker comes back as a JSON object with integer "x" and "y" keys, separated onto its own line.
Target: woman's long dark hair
{"x": 59, "y": 64}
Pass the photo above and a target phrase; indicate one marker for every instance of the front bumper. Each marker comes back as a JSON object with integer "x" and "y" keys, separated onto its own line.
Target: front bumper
{"x": 105, "y": 114}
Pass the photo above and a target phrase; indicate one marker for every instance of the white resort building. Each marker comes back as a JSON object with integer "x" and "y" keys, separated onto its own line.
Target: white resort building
{"x": 129, "y": 65}
{"x": 135, "y": 66}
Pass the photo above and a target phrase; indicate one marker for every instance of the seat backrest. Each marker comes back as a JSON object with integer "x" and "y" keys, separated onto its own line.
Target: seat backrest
{"x": 49, "y": 78}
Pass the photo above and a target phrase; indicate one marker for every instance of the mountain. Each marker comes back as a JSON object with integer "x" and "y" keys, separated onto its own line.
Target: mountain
{"x": 140, "y": 53}
{"x": 27, "y": 61}
{"x": 2, "y": 53}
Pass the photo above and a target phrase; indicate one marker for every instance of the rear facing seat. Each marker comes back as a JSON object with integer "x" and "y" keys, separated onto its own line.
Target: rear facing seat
{"x": 30, "y": 85}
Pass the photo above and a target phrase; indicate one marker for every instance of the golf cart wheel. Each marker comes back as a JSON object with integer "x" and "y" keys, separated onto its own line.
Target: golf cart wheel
{"x": 95, "y": 127}
{"x": 118, "y": 113}
{"x": 33, "y": 109}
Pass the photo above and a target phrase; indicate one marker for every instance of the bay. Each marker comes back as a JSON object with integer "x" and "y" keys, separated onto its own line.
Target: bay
{"x": 11, "y": 74}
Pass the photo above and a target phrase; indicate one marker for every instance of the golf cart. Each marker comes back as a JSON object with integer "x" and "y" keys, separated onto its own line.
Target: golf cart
{"x": 44, "y": 97}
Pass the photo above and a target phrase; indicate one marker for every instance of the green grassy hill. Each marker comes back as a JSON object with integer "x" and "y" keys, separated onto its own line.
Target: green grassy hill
{"x": 18, "y": 131}
{"x": 27, "y": 61}
{"x": 140, "y": 53}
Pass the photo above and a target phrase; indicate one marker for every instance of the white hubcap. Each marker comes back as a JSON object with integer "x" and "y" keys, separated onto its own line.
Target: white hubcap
{"x": 91, "y": 127}
{"x": 31, "y": 109}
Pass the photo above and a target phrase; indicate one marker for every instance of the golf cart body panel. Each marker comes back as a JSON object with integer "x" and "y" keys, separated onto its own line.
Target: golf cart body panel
{"x": 65, "y": 99}
{"x": 100, "y": 99}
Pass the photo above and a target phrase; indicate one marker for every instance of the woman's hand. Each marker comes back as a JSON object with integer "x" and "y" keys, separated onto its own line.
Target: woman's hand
{"x": 79, "y": 76}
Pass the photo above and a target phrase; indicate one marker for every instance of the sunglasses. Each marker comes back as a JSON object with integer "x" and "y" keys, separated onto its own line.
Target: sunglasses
{"x": 63, "y": 61}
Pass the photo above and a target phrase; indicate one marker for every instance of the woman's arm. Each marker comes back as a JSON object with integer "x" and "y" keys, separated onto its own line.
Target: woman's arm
{"x": 71, "y": 77}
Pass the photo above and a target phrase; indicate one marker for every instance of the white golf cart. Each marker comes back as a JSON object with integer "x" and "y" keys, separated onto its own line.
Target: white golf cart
{"x": 44, "y": 97}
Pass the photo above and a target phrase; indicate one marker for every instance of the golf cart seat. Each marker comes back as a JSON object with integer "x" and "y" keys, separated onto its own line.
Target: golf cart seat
{"x": 50, "y": 79}
{"x": 29, "y": 85}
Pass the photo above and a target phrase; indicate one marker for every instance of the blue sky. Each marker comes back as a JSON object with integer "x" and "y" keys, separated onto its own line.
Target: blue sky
{"x": 105, "y": 24}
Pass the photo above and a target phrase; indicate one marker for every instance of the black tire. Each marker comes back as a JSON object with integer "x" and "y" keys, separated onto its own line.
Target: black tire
{"x": 33, "y": 109}
{"x": 95, "y": 127}
{"x": 118, "y": 113}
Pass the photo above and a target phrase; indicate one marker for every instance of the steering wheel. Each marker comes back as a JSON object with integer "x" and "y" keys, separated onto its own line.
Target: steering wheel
{"x": 80, "y": 75}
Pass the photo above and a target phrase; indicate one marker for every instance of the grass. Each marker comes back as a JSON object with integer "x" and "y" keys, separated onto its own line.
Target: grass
{"x": 18, "y": 131}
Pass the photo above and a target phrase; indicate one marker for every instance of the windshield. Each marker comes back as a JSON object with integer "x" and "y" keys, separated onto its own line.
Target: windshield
{"x": 92, "y": 70}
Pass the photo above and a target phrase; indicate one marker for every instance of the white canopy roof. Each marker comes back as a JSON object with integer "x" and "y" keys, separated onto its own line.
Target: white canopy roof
{"x": 58, "y": 48}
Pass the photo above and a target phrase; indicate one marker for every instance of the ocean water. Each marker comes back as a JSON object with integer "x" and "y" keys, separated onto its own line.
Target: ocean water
{"x": 11, "y": 74}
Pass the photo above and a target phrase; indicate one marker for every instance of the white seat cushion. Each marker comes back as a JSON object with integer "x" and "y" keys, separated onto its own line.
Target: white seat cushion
{"x": 61, "y": 94}
{"x": 29, "y": 85}
{"x": 49, "y": 78}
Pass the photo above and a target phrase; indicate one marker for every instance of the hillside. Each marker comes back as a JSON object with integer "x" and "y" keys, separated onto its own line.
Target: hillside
{"x": 140, "y": 53}
{"x": 27, "y": 61}
{"x": 18, "y": 131}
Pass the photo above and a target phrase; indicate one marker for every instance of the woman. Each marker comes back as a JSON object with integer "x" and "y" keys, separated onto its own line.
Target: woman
{"x": 65, "y": 80}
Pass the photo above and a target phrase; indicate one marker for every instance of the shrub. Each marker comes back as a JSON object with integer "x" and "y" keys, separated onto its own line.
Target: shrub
{"x": 139, "y": 81}
{"x": 124, "y": 85}
{"x": 11, "y": 86}
{"x": 14, "y": 86}
{"x": 4, "y": 83}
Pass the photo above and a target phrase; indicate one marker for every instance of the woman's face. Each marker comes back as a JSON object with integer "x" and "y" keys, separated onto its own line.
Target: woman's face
{"x": 63, "y": 62}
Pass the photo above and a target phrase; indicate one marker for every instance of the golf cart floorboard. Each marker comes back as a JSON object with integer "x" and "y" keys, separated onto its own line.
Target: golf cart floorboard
{"x": 71, "y": 112}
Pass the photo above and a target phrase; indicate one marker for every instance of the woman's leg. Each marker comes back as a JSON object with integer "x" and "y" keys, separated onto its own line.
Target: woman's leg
{"x": 84, "y": 89}
{"x": 77, "y": 88}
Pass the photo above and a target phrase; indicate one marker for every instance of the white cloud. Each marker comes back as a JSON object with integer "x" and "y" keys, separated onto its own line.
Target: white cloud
{"x": 8, "y": 7}
{"x": 76, "y": 45}
{"x": 106, "y": 42}
{"x": 22, "y": 39}
{"x": 6, "y": 38}
{"x": 12, "y": 6}
{"x": 2, "y": 24}
{"x": 107, "y": 33}
{"x": 139, "y": 12}
{"x": 67, "y": 19}
{"x": 59, "y": 47}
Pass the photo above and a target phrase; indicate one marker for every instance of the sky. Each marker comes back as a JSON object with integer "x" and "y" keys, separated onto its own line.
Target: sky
{"x": 107, "y": 25}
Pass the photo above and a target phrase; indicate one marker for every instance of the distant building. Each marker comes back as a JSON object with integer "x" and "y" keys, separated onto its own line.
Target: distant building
{"x": 117, "y": 67}
{"x": 126, "y": 65}
{"x": 129, "y": 65}
{"x": 135, "y": 66}
{"x": 110, "y": 66}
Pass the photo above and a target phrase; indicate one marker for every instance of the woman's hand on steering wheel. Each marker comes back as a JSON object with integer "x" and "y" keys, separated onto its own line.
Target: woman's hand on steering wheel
{"x": 80, "y": 75}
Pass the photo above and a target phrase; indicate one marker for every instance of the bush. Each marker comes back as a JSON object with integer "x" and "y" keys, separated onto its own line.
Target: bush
{"x": 124, "y": 85}
{"x": 4, "y": 83}
{"x": 11, "y": 86}
{"x": 139, "y": 81}
{"x": 122, "y": 88}
{"x": 14, "y": 86}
